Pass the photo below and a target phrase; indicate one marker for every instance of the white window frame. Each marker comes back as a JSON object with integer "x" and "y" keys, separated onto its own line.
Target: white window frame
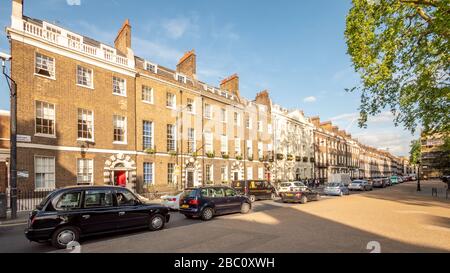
{"x": 192, "y": 106}
{"x": 249, "y": 123}
{"x": 224, "y": 173}
{"x": 146, "y": 65}
{"x": 88, "y": 70}
{"x": 125, "y": 130}
{"x": 249, "y": 148}
{"x": 92, "y": 125}
{"x": 237, "y": 119}
{"x": 174, "y": 137}
{"x": 250, "y": 173}
{"x": 260, "y": 150}
{"x": 237, "y": 146}
{"x": 209, "y": 142}
{"x": 223, "y": 115}
{"x": 152, "y": 168}
{"x": 51, "y": 72}
{"x": 35, "y": 173}
{"x": 183, "y": 77}
{"x": 193, "y": 140}
{"x": 173, "y": 100}
{"x": 209, "y": 168}
{"x": 260, "y": 173}
{"x": 224, "y": 144}
{"x": 123, "y": 92}
{"x": 43, "y": 117}
{"x": 260, "y": 126}
{"x": 90, "y": 167}
{"x": 152, "y": 136}
{"x": 147, "y": 89}
{"x": 210, "y": 116}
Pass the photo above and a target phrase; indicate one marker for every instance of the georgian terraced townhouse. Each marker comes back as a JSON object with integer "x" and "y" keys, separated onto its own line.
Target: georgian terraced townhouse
{"x": 91, "y": 113}
{"x": 99, "y": 114}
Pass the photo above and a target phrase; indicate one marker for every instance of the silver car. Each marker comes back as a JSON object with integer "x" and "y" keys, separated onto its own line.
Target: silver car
{"x": 337, "y": 189}
{"x": 360, "y": 185}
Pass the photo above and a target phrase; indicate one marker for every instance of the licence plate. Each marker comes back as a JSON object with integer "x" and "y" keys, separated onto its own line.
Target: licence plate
{"x": 289, "y": 195}
{"x": 184, "y": 206}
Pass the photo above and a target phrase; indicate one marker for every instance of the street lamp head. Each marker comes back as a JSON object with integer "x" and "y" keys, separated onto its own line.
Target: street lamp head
{"x": 4, "y": 56}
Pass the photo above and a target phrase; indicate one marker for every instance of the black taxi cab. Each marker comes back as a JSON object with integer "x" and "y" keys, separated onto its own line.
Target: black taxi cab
{"x": 255, "y": 189}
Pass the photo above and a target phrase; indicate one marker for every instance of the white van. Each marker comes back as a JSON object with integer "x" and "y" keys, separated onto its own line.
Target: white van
{"x": 343, "y": 178}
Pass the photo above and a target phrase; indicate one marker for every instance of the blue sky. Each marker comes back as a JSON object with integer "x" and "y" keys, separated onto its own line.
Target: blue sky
{"x": 295, "y": 49}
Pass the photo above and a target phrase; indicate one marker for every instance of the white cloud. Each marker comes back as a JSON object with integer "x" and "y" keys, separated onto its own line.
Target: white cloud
{"x": 73, "y": 2}
{"x": 310, "y": 99}
{"x": 155, "y": 50}
{"x": 383, "y": 117}
{"x": 396, "y": 142}
{"x": 177, "y": 27}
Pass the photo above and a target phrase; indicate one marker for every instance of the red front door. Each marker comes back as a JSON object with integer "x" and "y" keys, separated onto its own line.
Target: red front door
{"x": 120, "y": 178}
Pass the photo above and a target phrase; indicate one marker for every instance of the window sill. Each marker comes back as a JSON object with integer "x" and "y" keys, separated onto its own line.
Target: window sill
{"x": 91, "y": 141}
{"x": 119, "y": 143}
{"x": 171, "y": 108}
{"x": 85, "y": 86}
{"x": 46, "y": 77}
{"x": 148, "y": 102}
{"x": 44, "y": 189}
{"x": 44, "y": 135}
{"x": 119, "y": 95}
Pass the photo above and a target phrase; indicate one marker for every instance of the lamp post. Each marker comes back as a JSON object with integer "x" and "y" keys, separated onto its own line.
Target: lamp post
{"x": 180, "y": 112}
{"x": 13, "y": 136}
{"x": 418, "y": 176}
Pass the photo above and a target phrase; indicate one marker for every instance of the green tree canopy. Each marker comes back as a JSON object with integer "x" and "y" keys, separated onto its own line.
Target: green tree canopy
{"x": 401, "y": 50}
{"x": 415, "y": 153}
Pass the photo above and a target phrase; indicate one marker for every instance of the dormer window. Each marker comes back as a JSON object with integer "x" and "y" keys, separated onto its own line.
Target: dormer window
{"x": 180, "y": 78}
{"x": 151, "y": 67}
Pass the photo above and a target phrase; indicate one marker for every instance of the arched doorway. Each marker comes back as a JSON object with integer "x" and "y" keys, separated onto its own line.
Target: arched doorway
{"x": 120, "y": 171}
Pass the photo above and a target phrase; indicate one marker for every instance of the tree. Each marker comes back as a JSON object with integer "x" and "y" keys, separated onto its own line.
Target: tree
{"x": 401, "y": 50}
{"x": 415, "y": 153}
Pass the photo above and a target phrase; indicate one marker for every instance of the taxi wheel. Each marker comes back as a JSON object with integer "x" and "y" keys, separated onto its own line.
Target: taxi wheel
{"x": 65, "y": 235}
{"x": 252, "y": 198}
{"x": 157, "y": 222}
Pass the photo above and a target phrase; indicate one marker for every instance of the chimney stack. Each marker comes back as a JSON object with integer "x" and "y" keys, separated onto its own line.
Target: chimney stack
{"x": 17, "y": 15}
{"x": 123, "y": 39}
{"x": 188, "y": 65}
{"x": 231, "y": 84}
{"x": 315, "y": 121}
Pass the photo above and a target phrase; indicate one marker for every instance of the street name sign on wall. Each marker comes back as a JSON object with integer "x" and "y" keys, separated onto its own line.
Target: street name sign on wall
{"x": 23, "y": 138}
{"x": 23, "y": 174}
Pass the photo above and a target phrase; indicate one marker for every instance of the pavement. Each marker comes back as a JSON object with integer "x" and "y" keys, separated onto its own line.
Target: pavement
{"x": 395, "y": 219}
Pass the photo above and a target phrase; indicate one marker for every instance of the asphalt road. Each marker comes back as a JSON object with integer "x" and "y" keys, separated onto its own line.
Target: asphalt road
{"x": 396, "y": 219}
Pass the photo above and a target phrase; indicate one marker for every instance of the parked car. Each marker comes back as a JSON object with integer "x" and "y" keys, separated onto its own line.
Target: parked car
{"x": 379, "y": 183}
{"x": 360, "y": 185}
{"x": 300, "y": 196}
{"x": 338, "y": 189}
{"x": 400, "y": 179}
{"x": 207, "y": 202}
{"x": 172, "y": 201}
{"x": 291, "y": 186}
{"x": 68, "y": 214}
{"x": 387, "y": 181}
{"x": 255, "y": 189}
{"x": 394, "y": 180}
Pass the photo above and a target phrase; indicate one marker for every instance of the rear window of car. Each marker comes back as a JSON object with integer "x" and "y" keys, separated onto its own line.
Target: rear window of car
{"x": 299, "y": 184}
{"x": 190, "y": 193}
{"x": 357, "y": 182}
{"x": 68, "y": 201}
{"x": 98, "y": 198}
{"x": 334, "y": 185}
{"x": 284, "y": 185}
